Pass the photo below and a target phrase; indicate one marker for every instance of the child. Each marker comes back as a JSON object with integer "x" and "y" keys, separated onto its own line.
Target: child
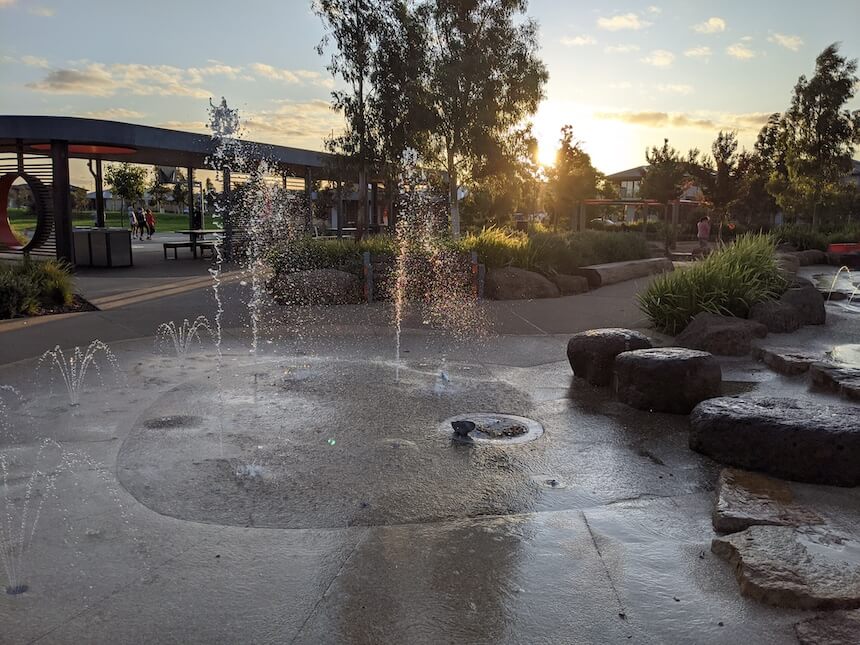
{"x": 150, "y": 223}
{"x": 703, "y": 232}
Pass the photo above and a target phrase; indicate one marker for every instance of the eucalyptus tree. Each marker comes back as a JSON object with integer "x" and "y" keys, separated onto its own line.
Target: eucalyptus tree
{"x": 820, "y": 134}
{"x": 484, "y": 78}
{"x": 572, "y": 178}
{"x": 353, "y": 26}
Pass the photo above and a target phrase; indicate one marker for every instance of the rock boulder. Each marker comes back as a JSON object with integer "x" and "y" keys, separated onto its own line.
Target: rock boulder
{"x": 592, "y": 353}
{"x": 811, "y": 256}
{"x": 836, "y": 628}
{"x": 511, "y": 283}
{"x": 779, "y": 317}
{"x": 790, "y": 362}
{"x": 723, "y": 335}
{"x": 570, "y": 284}
{"x": 808, "y": 302}
{"x": 669, "y": 379}
{"x": 786, "y": 438}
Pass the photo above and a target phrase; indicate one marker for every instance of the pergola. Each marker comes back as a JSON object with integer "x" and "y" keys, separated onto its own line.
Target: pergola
{"x": 675, "y": 204}
{"x": 37, "y": 149}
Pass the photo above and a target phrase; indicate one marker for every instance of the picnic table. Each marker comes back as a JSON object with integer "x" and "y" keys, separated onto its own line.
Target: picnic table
{"x": 197, "y": 237}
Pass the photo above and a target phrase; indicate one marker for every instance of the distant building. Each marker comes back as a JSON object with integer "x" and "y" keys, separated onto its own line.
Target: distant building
{"x": 629, "y": 183}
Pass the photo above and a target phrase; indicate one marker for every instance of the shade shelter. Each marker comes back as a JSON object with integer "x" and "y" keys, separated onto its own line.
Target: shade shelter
{"x": 37, "y": 149}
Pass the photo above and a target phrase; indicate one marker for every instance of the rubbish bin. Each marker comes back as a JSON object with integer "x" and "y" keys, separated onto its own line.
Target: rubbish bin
{"x": 103, "y": 247}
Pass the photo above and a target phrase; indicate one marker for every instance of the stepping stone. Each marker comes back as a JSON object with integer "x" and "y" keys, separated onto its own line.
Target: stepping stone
{"x": 790, "y": 362}
{"x": 799, "y": 568}
{"x": 722, "y": 335}
{"x": 798, "y": 440}
{"x": 747, "y": 499}
{"x": 670, "y": 379}
{"x": 592, "y": 353}
{"x": 836, "y": 378}
{"x": 837, "y": 628}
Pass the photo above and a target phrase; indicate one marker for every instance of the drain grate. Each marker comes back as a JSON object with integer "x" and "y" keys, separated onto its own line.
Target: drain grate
{"x": 494, "y": 428}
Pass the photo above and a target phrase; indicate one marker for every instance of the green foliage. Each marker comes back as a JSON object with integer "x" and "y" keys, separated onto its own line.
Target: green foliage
{"x": 551, "y": 253}
{"x": 127, "y": 181}
{"x": 805, "y": 237}
{"x": 728, "y": 282}
{"x": 29, "y": 287}
{"x": 816, "y": 137}
{"x": 572, "y": 178}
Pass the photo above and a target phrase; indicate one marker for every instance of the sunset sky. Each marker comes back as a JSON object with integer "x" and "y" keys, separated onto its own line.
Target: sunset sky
{"x": 625, "y": 75}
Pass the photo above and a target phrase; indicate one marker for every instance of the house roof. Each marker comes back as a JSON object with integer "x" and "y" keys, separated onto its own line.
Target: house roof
{"x": 631, "y": 174}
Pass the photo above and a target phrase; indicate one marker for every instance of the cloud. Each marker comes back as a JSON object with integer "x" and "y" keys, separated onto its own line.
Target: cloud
{"x": 659, "y": 58}
{"x": 675, "y": 88}
{"x": 710, "y": 26}
{"x": 784, "y": 40}
{"x": 6, "y": 3}
{"x": 114, "y": 114}
{"x": 698, "y": 52}
{"x": 621, "y": 49}
{"x": 622, "y": 21}
{"x": 623, "y": 85}
{"x": 295, "y": 123}
{"x": 99, "y": 79}
{"x": 722, "y": 121}
{"x": 262, "y": 70}
{"x": 740, "y": 51}
{"x": 655, "y": 10}
{"x": 577, "y": 41}
{"x": 29, "y": 61}
{"x": 44, "y": 12}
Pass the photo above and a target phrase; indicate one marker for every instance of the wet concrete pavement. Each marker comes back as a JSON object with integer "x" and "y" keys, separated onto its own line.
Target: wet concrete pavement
{"x": 456, "y": 544}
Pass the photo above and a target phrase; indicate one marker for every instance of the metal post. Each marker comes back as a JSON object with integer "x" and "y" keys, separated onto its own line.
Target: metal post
{"x": 62, "y": 201}
{"x": 190, "y": 179}
{"x": 100, "y": 195}
{"x": 309, "y": 211}
{"x": 340, "y": 213}
{"x": 226, "y": 220}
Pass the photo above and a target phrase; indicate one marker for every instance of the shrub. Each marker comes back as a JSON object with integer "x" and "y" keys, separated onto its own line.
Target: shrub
{"x": 805, "y": 237}
{"x": 728, "y": 282}
{"x": 28, "y": 287}
{"x": 553, "y": 252}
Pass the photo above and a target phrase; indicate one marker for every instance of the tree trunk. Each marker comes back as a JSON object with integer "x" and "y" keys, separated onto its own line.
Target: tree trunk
{"x": 452, "y": 196}
{"x": 361, "y": 218}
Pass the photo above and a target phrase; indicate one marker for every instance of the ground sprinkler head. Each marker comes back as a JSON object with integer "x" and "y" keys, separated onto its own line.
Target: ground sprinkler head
{"x": 462, "y": 428}
{"x": 17, "y": 590}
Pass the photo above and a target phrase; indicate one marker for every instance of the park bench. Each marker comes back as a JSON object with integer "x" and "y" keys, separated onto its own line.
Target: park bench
{"x": 175, "y": 246}
{"x": 206, "y": 246}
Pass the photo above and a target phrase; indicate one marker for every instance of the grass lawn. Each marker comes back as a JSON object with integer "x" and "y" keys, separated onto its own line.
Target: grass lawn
{"x": 164, "y": 222}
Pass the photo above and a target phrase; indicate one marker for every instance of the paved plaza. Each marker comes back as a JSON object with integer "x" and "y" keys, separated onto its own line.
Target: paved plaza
{"x": 307, "y": 494}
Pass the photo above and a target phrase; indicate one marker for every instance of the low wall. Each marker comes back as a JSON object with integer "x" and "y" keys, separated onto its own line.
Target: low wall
{"x": 600, "y": 275}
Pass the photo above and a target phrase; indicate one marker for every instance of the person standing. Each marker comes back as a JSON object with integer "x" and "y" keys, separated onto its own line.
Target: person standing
{"x": 703, "y": 232}
{"x": 141, "y": 223}
{"x": 132, "y": 220}
{"x": 150, "y": 223}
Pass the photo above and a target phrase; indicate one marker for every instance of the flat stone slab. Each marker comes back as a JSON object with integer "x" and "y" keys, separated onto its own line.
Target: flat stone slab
{"x": 790, "y": 362}
{"x": 803, "y": 441}
{"x": 723, "y": 335}
{"x": 801, "y": 568}
{"x": 838, "y": 378}
{"x": 599, "y": 275}
{"x": 668, "y": 379}
{"x": 570, "y": 284}
{"x": 747, "y": 499}
{"x": 592, "y": 353}
{"x": 837, "y": 628}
